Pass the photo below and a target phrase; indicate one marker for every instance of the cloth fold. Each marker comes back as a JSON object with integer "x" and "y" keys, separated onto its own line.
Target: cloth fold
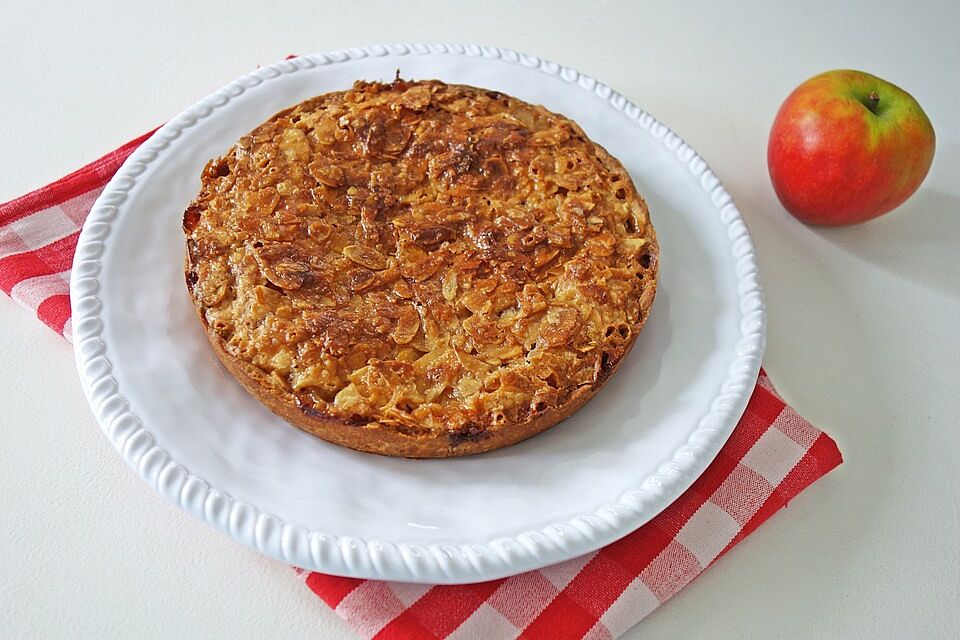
{"x": 772, "y": 456}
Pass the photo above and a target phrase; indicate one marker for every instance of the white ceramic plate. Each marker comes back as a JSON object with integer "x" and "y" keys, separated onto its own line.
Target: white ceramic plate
{"x": 192, "y": 432}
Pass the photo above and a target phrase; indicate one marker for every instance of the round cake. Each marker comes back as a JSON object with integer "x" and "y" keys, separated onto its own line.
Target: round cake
{"x": 420, "y": 269}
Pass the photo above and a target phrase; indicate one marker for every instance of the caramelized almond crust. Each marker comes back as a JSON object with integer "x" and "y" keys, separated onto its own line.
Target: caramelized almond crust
{"x": 420, "y": 269}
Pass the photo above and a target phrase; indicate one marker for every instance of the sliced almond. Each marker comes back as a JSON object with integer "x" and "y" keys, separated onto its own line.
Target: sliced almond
{"x": 402, "y": 289}
{"x": 476, "y": 302}
{"x": 468, "y": 387}
{"x": 407, "y": 325}
{"x": 423, "y": 268}
{"x": 504, "y": 297}
{"x": 561, "y": 323}
{"x": 349, "y": 399}
{"x": 531, "y": 300}
{"x": 505, "y": 352}
{"x": 450, "y": 285}
{"x": 287, "y": 218}
{"x": 602, "y": 244}
{"x": 484, "y": 286}
{"x": 631, "y": 246}
{"x": 318, "y": 229}
{"x": 482, "y": 331}
{"x": 544, "y": 255}
{"x": 365, "y": 256}
{"x": 407, "y": 355}
{"x": 329, "y": 175}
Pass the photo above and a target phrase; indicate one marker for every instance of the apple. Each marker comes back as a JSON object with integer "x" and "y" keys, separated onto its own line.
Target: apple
{"x": 846, "y": 147}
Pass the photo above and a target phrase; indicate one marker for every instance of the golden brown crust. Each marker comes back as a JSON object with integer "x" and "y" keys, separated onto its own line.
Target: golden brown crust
{"x": 456, "y": 273}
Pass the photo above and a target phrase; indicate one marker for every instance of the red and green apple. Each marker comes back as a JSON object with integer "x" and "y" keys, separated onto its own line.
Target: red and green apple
{"x": 846, "y": 147}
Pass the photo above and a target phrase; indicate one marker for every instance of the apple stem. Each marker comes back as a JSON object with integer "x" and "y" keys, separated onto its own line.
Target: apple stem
{"x": 872, "y": 101}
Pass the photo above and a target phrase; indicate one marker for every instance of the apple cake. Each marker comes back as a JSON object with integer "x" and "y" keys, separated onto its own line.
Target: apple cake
{"x": 420, "y": 269}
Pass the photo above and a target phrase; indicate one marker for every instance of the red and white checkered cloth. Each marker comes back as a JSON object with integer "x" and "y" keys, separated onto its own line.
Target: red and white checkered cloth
{"x": 772, "y": 456}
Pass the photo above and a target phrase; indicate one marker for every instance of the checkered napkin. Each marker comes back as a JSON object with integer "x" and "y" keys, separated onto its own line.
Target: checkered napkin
{"x": 772, "y": 456}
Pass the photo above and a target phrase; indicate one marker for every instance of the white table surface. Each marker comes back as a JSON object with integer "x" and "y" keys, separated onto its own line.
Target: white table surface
{"x": 864, "y": 321}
